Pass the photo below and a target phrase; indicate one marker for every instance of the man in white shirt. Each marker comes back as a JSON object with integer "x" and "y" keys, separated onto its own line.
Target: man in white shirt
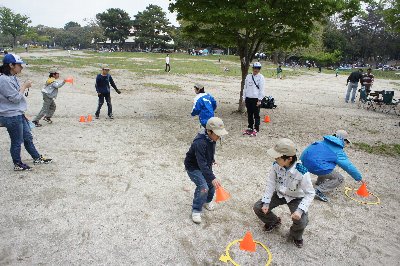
{"x": 253, "y": 93}
{"x": 167, "y": 66}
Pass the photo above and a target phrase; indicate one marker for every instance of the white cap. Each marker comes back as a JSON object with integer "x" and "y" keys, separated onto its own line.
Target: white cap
{"x": 257, "y": 64}
{"x": 343, "y": 135}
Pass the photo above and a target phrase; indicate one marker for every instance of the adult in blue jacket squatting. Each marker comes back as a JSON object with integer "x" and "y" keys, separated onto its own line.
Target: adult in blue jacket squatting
{"x": 103, "y": 81}
{"x": 204, "y": 105}
{"x": 321, "y": 158}
{"x": 198, "y": 164}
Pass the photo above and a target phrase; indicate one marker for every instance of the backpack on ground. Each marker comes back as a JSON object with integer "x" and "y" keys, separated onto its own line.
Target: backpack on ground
{"x": 268, "y": 102}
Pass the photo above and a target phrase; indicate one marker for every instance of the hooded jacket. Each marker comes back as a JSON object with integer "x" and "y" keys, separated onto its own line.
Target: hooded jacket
{"x": 51, "y": 87}
{"x": 12, "y": 101}
{"x": 204, "y": 106}
{"x": 201, "y": 156}
{"x": 321, "y": 157}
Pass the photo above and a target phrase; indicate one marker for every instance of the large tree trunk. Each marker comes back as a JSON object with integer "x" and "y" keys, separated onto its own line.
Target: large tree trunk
{"x": 244, "y": 65}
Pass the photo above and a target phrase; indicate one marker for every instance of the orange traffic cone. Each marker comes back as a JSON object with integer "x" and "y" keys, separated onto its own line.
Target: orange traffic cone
{"x": 69, "y": 80}
{"x": 248, "y": 243}
{"x": 267, "y": 119}
{"x": 89, "y": 118}
{"x": 222, "y": 195}
{"x": 363, "y": 191}
{"x": 82, "y": 119}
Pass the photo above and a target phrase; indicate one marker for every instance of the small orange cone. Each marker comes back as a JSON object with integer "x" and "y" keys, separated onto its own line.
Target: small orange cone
{"x": 82, "y": 119}
{"x": 267, "y": 119}
{"x": 248, "y": 243}
{"x": 363, "y": 191}
{"x": 222, "y": 195}
{"x": 69, "y": 80}
{"x": 89, "y": 118}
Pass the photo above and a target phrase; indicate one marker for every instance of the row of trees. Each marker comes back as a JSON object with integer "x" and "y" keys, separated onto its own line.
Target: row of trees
{"x": 151, "y": 27}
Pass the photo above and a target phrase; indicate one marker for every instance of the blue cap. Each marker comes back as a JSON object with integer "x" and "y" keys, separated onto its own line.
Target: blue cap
{"x": 12, "y": 59}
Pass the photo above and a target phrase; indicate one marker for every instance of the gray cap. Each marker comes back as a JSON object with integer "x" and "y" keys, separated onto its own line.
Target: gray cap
{"x": 199, "y": 86}
{"x": 282, "y": 147}
{"x": 217, "y": 126}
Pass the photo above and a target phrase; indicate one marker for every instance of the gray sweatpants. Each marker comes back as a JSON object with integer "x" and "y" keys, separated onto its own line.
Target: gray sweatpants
{"x": 329, "y": 182}
{"x": 298, "y": 226}
{"x": 48, "y": 109}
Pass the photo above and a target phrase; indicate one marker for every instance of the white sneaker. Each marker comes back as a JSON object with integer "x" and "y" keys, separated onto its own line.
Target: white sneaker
{"x": 209, "y": 206}
{"x": 196, "y": 217}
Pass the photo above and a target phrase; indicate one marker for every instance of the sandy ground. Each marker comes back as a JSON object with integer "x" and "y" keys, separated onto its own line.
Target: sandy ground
{"x": 117, "y": 192}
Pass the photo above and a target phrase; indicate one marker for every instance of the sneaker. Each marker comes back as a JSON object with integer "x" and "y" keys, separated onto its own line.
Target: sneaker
{"x": 21, "y": 167}
{"x": 36, "y": 123}
{"x": 269, "y": 228}
{"x": 41, "y": 160}
{"x": 47, "y": 119}
{"x": 248, "y": 131}
{"x": 97, "y": 116}
{"x": 253, "y": 133}
{"x": 321, "y": 196}
{"x": 111, "y": 116}
{"x": 196, "y": 217}
{"x": 210, "y": 206}
{"x": 298, "y": 243}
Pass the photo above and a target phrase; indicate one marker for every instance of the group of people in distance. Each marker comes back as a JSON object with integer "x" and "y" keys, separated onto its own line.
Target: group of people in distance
{"x": 289, "y": 181}
{"x": 13, "y": 106}
{"x": 366, "y": 80}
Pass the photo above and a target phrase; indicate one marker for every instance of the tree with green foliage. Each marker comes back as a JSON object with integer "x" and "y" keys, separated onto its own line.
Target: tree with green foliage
{"x": 154, "y": 27}
{"x": 116, "y": 24}
{"x": 71, "y": 24}
{"x": 247, "y": 24}
{"x": 13, "y": 24}
{"x": 392, "y": 14}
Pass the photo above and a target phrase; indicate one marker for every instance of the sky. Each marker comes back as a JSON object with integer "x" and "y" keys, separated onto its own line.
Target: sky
{"x": 56, "y": 13}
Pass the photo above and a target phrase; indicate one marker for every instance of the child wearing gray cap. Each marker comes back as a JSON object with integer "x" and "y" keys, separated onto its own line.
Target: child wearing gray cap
{"x": 288, "y": 183}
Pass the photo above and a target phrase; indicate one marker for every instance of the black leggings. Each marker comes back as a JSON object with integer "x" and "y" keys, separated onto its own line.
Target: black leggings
{"x": 253, "y": 113}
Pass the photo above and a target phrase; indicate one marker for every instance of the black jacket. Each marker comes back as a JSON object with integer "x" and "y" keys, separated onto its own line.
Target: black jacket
{"x": 201, "y": 156}
{"x": 355, "y": 77}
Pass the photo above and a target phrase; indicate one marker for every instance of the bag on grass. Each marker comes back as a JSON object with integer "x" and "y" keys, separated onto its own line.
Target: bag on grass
{"x": 268, "y": 102}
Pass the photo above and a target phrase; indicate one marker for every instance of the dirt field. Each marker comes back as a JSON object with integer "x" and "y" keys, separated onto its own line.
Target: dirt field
{"x": 117, "y": 192}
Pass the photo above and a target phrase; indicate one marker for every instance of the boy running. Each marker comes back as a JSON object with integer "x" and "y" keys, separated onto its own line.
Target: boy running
{"x": 204, "y": 105}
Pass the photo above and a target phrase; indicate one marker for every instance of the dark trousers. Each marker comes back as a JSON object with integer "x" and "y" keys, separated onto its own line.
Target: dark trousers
{"x": 103, "y": 96}
{"x": 298, "y": 226}
{"x": 167, "y": 66}
{"x": 253, "y": 113}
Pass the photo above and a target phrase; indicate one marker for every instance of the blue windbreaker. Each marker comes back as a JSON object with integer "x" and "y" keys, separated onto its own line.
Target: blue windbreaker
{"x": 204, "y": 106}
{"x": 321, "y": 157}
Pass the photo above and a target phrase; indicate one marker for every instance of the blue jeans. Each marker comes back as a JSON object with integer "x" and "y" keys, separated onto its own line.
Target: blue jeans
{"x": 352, "y": 87}
{"x": 20, "y": 132}
{"x": 204, "y": 191}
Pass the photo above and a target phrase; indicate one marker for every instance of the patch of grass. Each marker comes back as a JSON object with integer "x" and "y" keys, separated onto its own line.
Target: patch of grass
{"x": 163, "y": 86}
{"x": 381, "y": 148}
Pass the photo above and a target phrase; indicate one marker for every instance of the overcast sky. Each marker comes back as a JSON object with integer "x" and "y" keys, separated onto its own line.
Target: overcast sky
{"x": 56, "y": 13}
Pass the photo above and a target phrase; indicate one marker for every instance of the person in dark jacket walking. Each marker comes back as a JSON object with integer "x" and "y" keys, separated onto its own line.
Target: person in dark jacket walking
{"x": 198, "y": 164}
{"x": 352, "y": 84}
{"x": 103, "y": 82}
{"x": 321, "y": 158}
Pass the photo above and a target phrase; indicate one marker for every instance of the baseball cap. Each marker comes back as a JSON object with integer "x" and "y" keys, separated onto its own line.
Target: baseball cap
{"x": 53, "y": 70}
{"x": 105, "y": 66}
{"x": 282, "y": 147}
{"x": 217, "y": 126}
{"x": 198, "y": 86}
{"x": 257, "y": 65}
{"x": 12, "y": 59}
{"x": 342, "y": 134}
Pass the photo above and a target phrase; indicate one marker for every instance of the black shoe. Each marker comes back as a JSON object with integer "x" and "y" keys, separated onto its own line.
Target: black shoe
{"x": 41, "y": 160}
{"x": 21, "y": 167}
{"x": 321, "y": 196}
{"x": 36, "y": 123}
{"x": 47, "y": 119}
{"x": 111, "y": 116}
{"x": 298, "y": 243}
{"x": 269, "y": 228}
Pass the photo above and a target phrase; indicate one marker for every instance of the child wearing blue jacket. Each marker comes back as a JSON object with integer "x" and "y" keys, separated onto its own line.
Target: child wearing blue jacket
{"x": 103, "y": 81}
{"x": 204, "y": 105}
{"x": 321, "y": 158}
